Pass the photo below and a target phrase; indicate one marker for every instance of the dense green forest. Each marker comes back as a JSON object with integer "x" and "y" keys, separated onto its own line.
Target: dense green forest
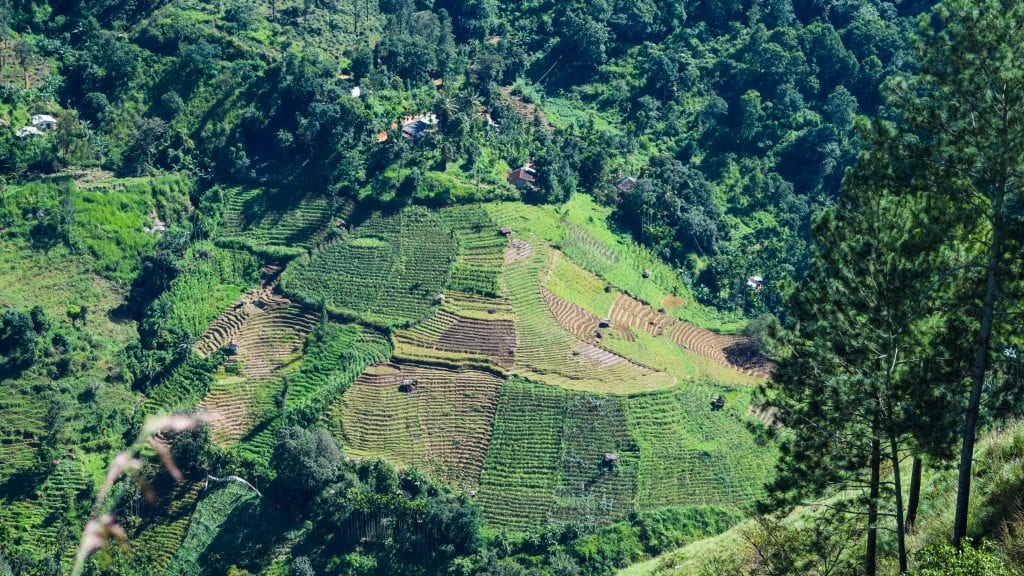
{"x": 579, "y": 288}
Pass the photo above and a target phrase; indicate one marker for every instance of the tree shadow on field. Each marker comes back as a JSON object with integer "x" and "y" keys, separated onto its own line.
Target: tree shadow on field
{"x": 747, "y": 355}
{"x": 247, "y": 538}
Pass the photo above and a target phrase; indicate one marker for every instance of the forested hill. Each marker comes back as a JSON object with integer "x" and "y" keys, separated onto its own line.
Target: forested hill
{"x": 735, "y": 116}
{"x": 482, "y": 288}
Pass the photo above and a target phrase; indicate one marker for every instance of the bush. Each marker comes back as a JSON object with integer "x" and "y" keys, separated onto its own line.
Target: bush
{"x": 943, "y": 559}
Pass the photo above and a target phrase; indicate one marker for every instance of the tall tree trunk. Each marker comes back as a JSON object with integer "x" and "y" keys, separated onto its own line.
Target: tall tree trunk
{"x": 981, "y": 353}
{"x": 901, "y": 536}
{"x": 915, "y": 493}
{"x": 871, "y": 551}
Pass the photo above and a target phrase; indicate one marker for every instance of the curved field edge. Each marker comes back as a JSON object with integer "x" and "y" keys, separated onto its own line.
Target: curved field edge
{"x": 580, "y": 228}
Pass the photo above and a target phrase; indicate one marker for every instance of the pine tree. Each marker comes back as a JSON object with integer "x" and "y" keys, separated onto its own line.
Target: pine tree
{"x": 962, "y": 120}
{"x": 855, "y": 386}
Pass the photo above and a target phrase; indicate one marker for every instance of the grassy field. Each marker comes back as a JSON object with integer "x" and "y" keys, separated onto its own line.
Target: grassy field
{"x": 547, "y": 352}
{"x": 640, "y": 332}
{"x": 580, "y": 227}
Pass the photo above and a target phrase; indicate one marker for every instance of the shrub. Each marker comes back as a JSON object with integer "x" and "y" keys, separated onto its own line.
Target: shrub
{"x": 942, "y": 559}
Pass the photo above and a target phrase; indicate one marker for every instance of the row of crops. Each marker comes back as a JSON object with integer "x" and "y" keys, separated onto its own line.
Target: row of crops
{"x": 387, "y": 272}
{"x": 690, "y": 454}
{"x": 558, "y": 455}
{"x": 549, "y": 461}
{"x": 334, "y": 356}
{"x": 436, "y": 419}
{"x": 601, "y": 438}
{"x": 580, "y": 228}
{"x": 20, "y": 428}
{"x": 43, "y": 520}
{"x": 544, "y": 349}
{"x": 274, "y": 222}
{"x": 481, "y": 249}
{"x": 164, "y": 524}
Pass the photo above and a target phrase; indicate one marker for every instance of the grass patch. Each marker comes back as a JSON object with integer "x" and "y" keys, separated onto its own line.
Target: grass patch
{"x": 580, "y": 227}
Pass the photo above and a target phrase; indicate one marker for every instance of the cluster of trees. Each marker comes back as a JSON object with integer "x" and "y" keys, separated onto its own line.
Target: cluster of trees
{"x": 902, "y": 343}
{"x": 737, "y": 116}
{"x": 19, "y": 333}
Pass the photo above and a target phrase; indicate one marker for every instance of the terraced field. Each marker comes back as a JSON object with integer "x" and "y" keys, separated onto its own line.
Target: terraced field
{"x": 517, "y": 487}
{"x": 583, "y": 324}
{"x": 41, "y": 514}
{"x": 547, "y": 352}
{"x": 436, "y": 419}
{"x": 579, "y": 300}
{"x": 466, "y": 337}
{"x": 547, "y": 458}
{"x": 517, "y": 250}
{"x": 690, "y": 454}
{"x": 21, "y": 428}
{"x": 387, "y": 272}
{"x": 276, "y": 221}
{"x": 590, "y": 488}
{"x": 524, "y": 374}
{"x": 165, "y": 524}
{"x": 182, "y": 388}
{"x": 580, "y": 229}
{"x": 231, "y": 525}
{"x": 269, "y": 337}
{"x": 480, "y": 249}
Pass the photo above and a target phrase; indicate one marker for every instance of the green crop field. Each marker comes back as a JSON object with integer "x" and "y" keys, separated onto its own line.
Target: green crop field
{"x": 545, "y": 350}
{"x": 517, "y": 488}
{"x": 39, "y": 512}
{"x": 690, "y": 454}
{"x": 481, "y": 249}
{"x": 274, "y": 222}
{"x": 546, "y": 462}
{"x": 388, "y": 271}
{"x": 580, "y": 228}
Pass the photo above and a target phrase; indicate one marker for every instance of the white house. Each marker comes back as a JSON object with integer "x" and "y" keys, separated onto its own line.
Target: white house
{"x": 27, "y": 131}
{"x": 356, "y": 92}
{"x": 44, "y": 121}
